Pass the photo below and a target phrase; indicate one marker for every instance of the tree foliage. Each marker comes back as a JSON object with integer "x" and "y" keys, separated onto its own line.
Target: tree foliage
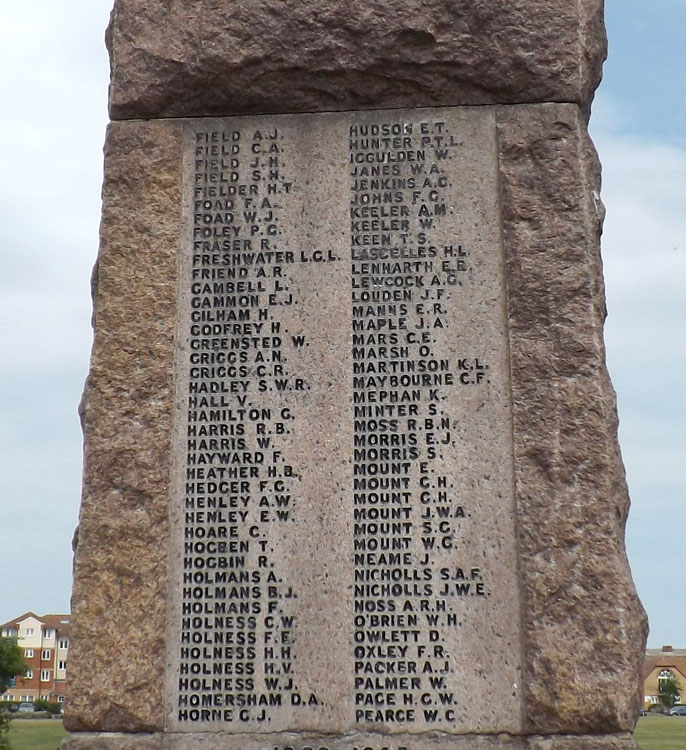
{"x": 11, "y": 662}
{"x": 669, "y": 691}
{"x": 43, "y": 705}
{"x": 11, "y": 665}
{"x": 4, "y": 728}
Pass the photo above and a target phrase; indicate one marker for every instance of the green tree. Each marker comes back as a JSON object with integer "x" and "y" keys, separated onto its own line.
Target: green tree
{"x": 11, "y": 665}
{"x": 4, "y": 728}
{"x": 669, "y": 691}
{"x": 11, "y": 662}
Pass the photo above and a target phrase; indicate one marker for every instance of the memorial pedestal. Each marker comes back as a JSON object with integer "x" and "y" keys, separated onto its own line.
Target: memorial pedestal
{"x": 351, "y": 471}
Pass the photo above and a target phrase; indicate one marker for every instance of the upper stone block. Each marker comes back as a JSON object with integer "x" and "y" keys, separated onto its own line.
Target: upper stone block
{"x": 214, "y": 57}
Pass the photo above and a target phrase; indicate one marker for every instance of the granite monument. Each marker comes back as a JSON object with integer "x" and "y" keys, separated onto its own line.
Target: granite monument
{"x": 351, "y": 470}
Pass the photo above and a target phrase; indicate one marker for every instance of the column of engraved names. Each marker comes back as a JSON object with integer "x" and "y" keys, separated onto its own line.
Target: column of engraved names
{"x": 236, "y": 620}
{"x": 402, "y": 283}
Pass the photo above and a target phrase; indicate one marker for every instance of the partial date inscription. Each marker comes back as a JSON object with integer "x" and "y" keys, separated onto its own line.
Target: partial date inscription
{"x": 343, "y": 528}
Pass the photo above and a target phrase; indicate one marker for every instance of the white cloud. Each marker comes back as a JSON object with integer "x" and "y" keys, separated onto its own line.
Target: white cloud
{"x": 644, "y": 189}
{"x": 53, "y": 75}
{"x": 45, "y": 330}
{"x": 644, "y": 252}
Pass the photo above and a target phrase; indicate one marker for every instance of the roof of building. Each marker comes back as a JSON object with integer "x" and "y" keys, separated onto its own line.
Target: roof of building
{"x": 665, "y": 658}
{"x": 666, "y": 650}
{"x": 16, "y": 620}
{"x": 59, "y": 622}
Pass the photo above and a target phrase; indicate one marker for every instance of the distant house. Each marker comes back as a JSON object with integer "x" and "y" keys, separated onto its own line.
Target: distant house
{"x": 45, "y": 643}
{"x": 661, "y": 664}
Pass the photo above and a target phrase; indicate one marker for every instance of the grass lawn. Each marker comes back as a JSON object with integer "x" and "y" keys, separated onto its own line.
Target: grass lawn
{"x": 36, "y": 734}
{"x": 660, "y": 732}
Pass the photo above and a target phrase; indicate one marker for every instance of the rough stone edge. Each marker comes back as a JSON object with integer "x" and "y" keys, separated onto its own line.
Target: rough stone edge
{"x": 554, "y": 703}
{"x": 592, "y": 50}
{"x": 583, "y": 742}
{"x": 117, "y": 645}
{"x": 111, "y": 741}
{"x": 584, "y": 628}
{"x": 353, "y": 89}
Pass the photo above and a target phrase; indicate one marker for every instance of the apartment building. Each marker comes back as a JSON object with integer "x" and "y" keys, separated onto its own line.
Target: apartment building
{"x": 45, "y": 643}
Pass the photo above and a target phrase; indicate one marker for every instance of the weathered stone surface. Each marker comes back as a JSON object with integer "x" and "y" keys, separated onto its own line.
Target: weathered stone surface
{"x": 325, "y": 554}
{"x": 216, "y": 741}
{"x": 587, "y": 742}
{"x": 206, "y": 58}
{"x": 428, "y": 741}
{"x": 584, "y": 627}
{"x": 112, "y": 741}
{"x": 119, "y": 599}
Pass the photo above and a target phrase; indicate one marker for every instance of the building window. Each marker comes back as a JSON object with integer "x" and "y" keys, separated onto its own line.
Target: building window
{"x": 47, "y": 633}
{"x": 60, "y": 699}
{"x": 45, "y": 654}
{"x": 63, "y": 644}
{"x": 29, "y": 674}
{"x": 29, "y": 631}
{"x": 61, "y": 664}
{"x": 28, "y": 653}
{"x": 45, "y": 675}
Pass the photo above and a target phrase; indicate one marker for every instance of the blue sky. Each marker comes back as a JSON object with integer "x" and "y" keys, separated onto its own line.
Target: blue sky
{"x": 639, "y": 126}
{"x": 53, "y": 75}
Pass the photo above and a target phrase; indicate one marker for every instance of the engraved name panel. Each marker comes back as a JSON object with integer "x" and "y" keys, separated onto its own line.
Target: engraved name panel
{"x": 343, "y": 537}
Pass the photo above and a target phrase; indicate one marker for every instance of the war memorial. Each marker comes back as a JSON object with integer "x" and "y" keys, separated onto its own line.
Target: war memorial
{"x": 351, "y": 478}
